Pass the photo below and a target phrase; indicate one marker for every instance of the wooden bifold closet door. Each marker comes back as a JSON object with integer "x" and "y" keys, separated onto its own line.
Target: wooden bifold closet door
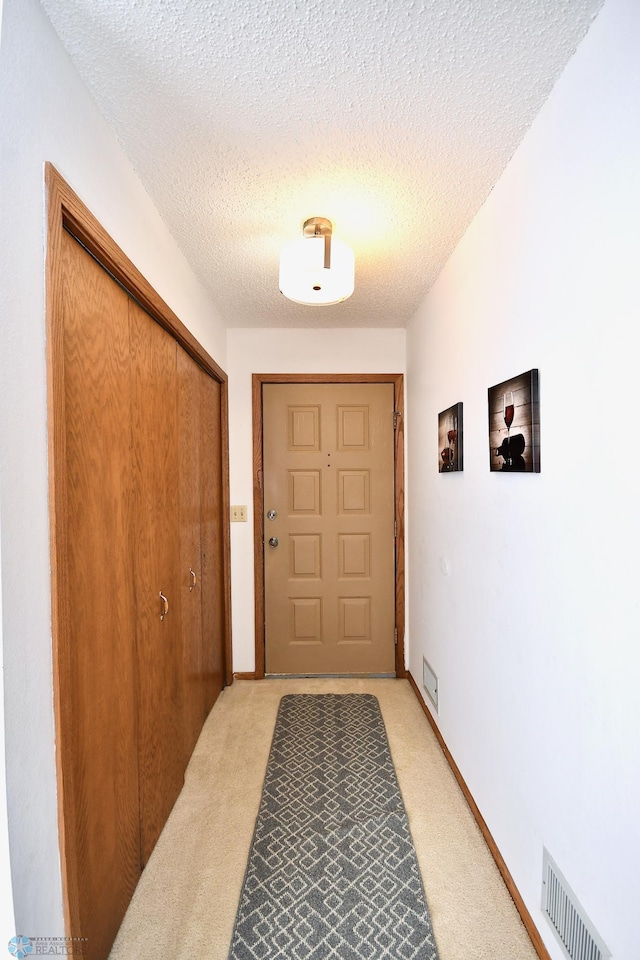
{"x": 201, "y": 546}
{"x": 140, "y": 555}
{"x": 157, "y": 572}
{"x": 98, "y": 723}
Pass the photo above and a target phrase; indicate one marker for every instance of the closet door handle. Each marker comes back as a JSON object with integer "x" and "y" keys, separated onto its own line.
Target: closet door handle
{"x": 194, "y": 579}
{"x": 165, "y": 606}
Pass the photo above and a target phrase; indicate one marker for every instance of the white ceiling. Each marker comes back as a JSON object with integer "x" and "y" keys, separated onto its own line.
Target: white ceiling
{"x": 393, "y": 118}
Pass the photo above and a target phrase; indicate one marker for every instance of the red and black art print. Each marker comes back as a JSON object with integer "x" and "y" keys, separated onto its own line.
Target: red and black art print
{"x": 514, "y": 425}
{"x": 450, "y": 439}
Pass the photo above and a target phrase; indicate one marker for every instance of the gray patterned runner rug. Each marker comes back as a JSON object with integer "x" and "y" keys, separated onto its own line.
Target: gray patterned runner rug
{"x": 332, "y": 871}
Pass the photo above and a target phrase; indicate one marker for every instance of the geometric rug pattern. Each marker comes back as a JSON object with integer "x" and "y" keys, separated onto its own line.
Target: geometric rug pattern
{"x": 332, "y": 870}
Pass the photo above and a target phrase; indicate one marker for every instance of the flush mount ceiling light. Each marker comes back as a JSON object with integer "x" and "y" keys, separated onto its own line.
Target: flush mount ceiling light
{"x": 317, "y": 269}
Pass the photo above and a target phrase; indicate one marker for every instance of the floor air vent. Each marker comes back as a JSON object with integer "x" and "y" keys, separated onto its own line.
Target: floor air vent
{"x": 567, "y": 918}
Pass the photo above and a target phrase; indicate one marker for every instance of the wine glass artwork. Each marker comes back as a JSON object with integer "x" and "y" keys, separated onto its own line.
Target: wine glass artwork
{"x": 450, "y": 439}
{"x": 508, "y": 409}
{"x": 452, "y": 435}
{"x": 507, "y": 415}
{"x": 514, "y": 435}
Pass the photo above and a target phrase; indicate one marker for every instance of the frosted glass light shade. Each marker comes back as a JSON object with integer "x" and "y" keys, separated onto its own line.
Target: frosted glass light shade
{"x": 304, "y": 278}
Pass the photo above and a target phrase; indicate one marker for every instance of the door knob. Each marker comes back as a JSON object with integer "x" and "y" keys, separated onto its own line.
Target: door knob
{"x": 273, "y": 541}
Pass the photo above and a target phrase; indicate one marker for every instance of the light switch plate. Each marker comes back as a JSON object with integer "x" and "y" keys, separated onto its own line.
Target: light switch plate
{"x": 238, "y": 514}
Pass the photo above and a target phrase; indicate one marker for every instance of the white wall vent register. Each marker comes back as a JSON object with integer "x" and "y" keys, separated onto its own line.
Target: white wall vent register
{"x": 567, "y": 918}
{"x": 430, "y": 683}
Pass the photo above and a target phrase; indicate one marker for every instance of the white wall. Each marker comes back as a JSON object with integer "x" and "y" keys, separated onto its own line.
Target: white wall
{"x": 282, "y": 351}
{"x": 535, "y": 632}
{"x": 47, "y": 114}
{"x": 7, "y": 923}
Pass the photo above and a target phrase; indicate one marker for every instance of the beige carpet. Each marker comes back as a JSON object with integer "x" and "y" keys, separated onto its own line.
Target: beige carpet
{"x": 186, "y": 901}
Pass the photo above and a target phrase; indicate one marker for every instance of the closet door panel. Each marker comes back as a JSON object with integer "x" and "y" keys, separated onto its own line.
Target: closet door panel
{"x": 189, "y": 408}
{"x": 157, "y": 573}
{"x": 213, "y": 595}
{"x": 96, "y": 669}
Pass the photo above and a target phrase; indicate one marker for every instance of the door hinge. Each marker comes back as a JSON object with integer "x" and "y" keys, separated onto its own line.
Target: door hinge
{"x": 395, "y": 637}
{"x": 395, "y": 529}
{"x": 396, "y": 416}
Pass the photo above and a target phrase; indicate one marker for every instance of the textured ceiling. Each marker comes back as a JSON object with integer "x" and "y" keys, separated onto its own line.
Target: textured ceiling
{"x": 393, "y": 118}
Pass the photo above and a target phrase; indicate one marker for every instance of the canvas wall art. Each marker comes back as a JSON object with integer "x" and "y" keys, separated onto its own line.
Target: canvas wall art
{"x": 514, "y": 425}
{"x": 450, "y": 439}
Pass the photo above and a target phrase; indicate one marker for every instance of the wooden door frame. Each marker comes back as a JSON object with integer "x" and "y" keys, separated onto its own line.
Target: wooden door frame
{"x": 65, "y": 211}
{"x": 258, "y": 380}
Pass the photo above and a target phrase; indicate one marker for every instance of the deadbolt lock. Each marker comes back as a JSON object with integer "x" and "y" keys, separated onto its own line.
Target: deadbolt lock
{"x": 272, "y": 514}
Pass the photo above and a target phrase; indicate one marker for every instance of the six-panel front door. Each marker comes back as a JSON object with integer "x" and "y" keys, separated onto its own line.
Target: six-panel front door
{"x": 329, "y": 528}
